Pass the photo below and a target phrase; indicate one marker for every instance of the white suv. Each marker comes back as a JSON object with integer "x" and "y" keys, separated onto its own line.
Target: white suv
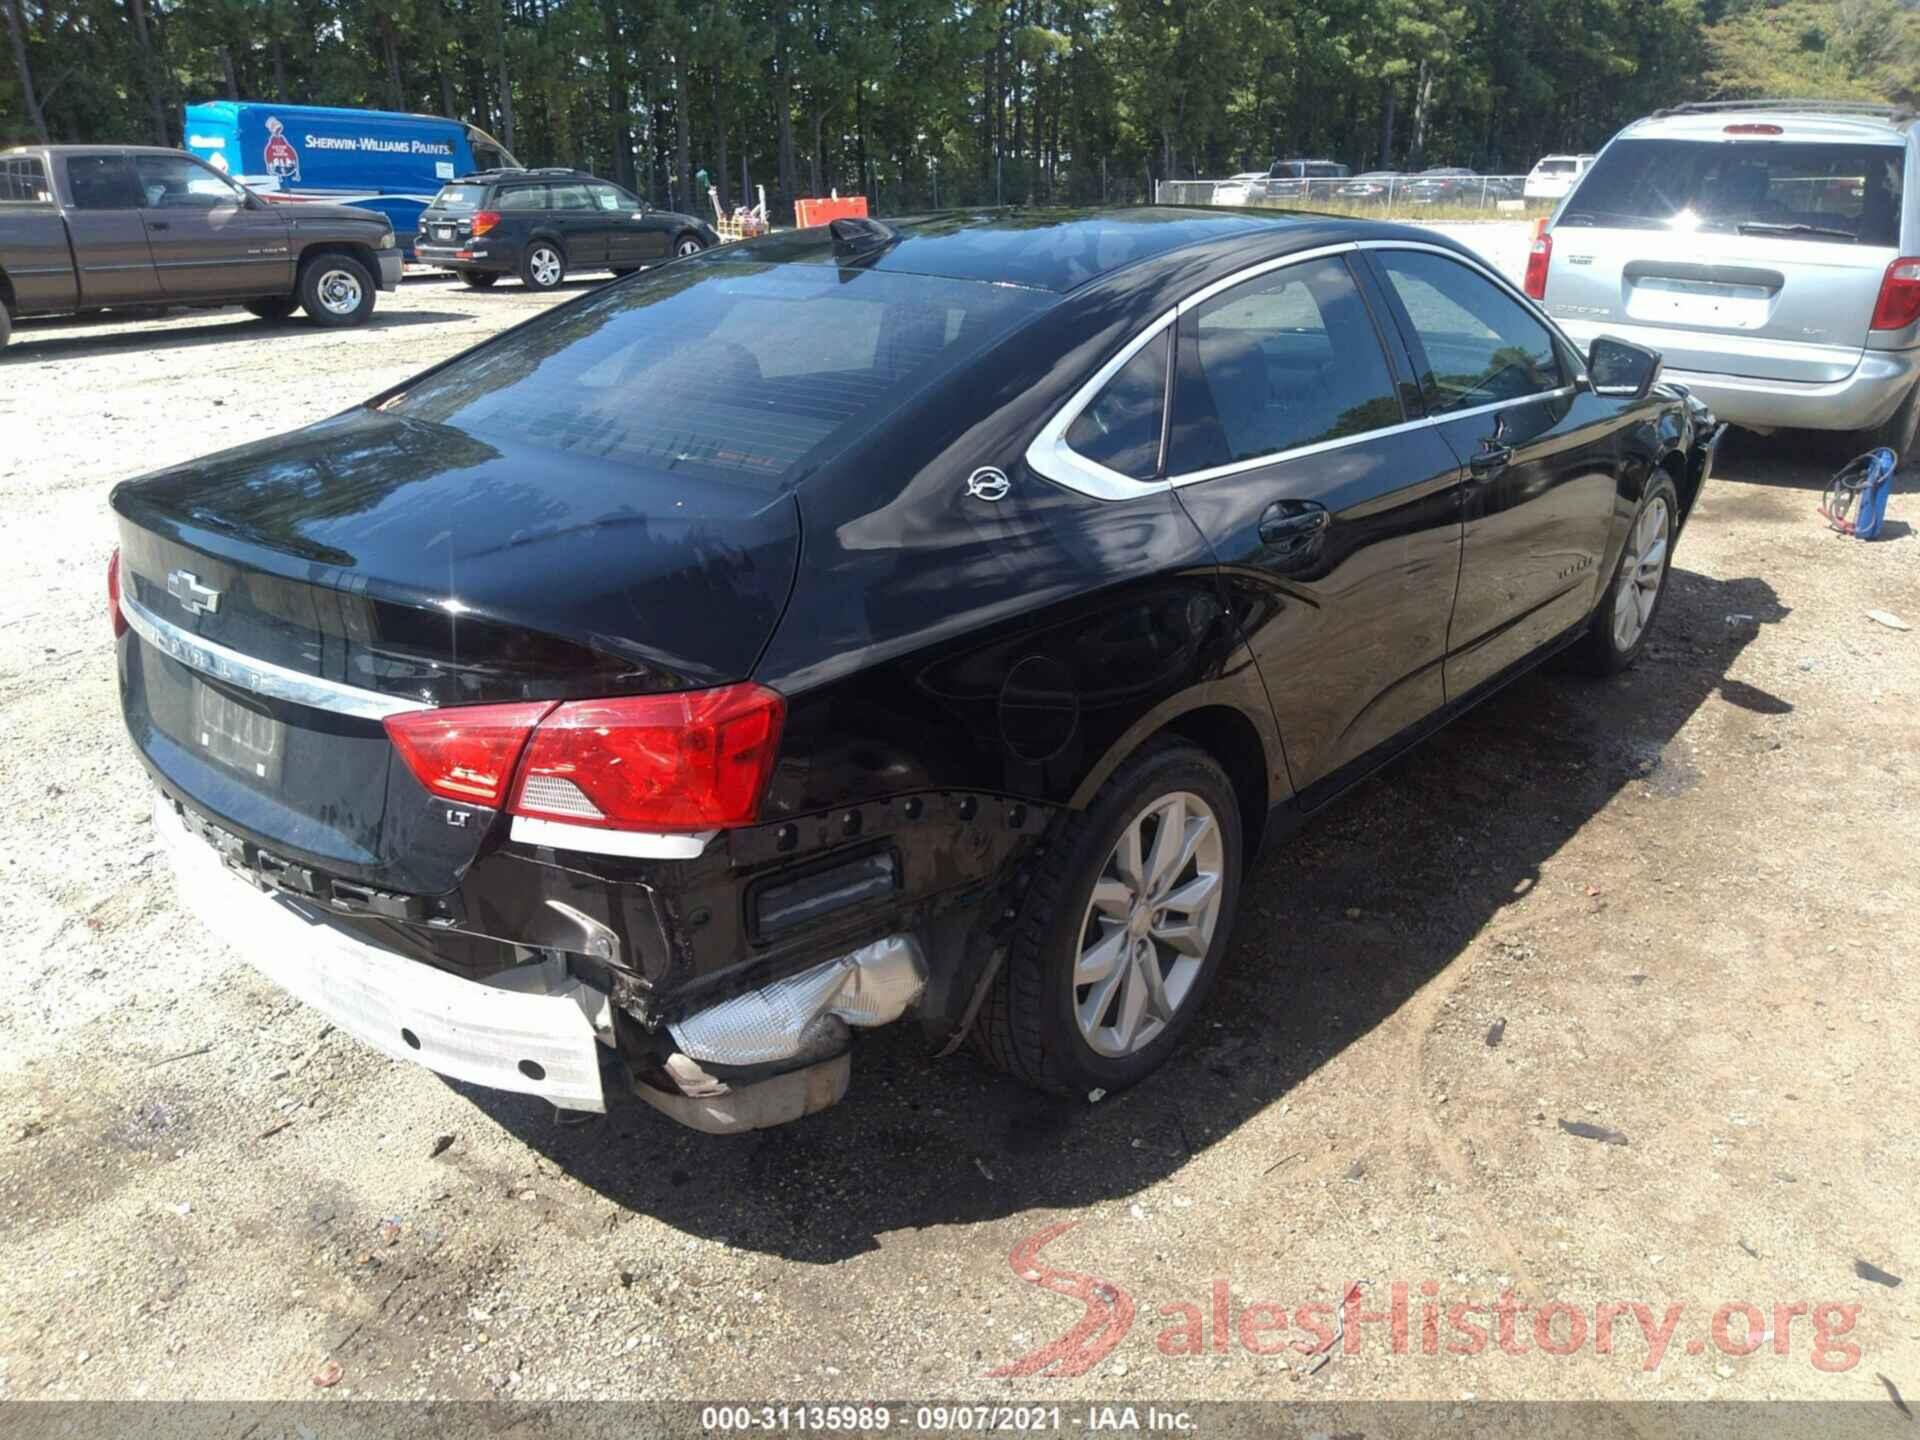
{"x": 1555, "y": 175}
{"x": 1770, "y": 250}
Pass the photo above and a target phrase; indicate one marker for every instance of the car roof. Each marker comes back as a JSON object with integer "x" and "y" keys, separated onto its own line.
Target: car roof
{"x": 1064, "y": 250}
{"x": 1830, "y": 120}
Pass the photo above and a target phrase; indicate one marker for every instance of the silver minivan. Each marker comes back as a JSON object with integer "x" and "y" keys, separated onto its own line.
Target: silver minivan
{"x": 1770, "y": 250}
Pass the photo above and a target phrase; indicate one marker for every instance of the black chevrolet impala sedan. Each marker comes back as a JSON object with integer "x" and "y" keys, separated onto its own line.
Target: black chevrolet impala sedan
{"x": 914, "y": 622}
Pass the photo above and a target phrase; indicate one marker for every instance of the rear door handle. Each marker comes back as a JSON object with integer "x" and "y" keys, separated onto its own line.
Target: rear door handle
{"x": 1293, "y": 522}
{"x": 156, "y": 225}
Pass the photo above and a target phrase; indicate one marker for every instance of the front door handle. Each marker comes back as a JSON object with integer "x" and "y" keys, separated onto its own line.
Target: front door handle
{"x": 1293, "y": 523}
{"x": 1491, "y": 460}
{"x": 156, "y": 225}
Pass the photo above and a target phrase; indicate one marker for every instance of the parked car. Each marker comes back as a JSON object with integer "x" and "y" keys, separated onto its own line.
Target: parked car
{"x": 1238, "y": 189}
{"x": 544, "y": 224}
{"x": 1442, "y": 183}
{"x": 1771, "y": 250}
{"x": 876, "y": 621}
{"x": 99, "y": 227}
{"x": 377, "y": 159}
{"x": 1371, "y": 185}
{"x": 1554, "y": 176}
{"x": 1289, "y": 179}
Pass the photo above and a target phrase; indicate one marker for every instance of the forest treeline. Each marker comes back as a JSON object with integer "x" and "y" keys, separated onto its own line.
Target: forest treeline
{"x": 924, "y": 102}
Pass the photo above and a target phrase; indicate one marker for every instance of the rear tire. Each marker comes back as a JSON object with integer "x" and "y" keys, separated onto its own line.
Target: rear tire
{"x": 686, "y": 243}
{"x": 1896, "y": 433}
{"x": 336, "y": 291}
{"x": 620, "y": 272}
{"x": 1628, "y": 607}
{"x": 479, "y": 279}
{"x": 277, "y": 307}
{"x": 6, "y": 326}
{"x": 543, "y": 266}
{"x": 1075, "y": 1009}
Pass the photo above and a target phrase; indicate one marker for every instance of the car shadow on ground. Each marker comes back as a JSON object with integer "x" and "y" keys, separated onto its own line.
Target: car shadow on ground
{"x": 1340, "y": 925}
{"x": 213, "y": 328}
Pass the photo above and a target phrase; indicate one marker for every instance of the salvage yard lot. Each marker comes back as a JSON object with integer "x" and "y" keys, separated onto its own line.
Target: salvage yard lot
{"x": 1677, "y": 906}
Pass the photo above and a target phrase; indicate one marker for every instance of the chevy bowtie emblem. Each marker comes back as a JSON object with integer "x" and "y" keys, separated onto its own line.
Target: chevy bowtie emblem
{"x": 988, "y": 483}
{"x": 194, "y": 598}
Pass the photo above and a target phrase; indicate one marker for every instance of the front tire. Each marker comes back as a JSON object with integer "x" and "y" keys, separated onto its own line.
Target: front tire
{"x": 1123, "y": 931}
{"x": 6, "y": 326}
{"x": 479, "y": 279}
{"x": 543, "y": 267}
{"x": 1624, "y": 618}
{"x": 336, "y": 291}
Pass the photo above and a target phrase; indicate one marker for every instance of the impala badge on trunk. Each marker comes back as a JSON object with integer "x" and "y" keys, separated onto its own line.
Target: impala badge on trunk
{"x": 194, "y": 598}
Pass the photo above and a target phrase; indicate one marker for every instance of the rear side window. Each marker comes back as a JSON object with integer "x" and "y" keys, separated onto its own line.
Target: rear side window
{"x": 102, "y": 182}
{"x": 461, "y": 199}
{"x": 1802, "y": 190}
{"x": 23, "y": 181}
{"x": 572, "y": 197}
{"x": 522, "y": 197}
{"x": 1120, "y": 428}
{"x": 719, "y": 369}
{"x": 1481, "y": 345}
{"x": 1283, "y": 361}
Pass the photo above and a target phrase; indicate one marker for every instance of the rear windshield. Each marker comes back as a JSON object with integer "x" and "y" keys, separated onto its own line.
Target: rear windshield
{"x": 23, "y": 181}
{"x": 720, "y": 368}
{"x": 1557, "y": 167}
{"x": 460, "y": 197}
{"x": 1803, "y": 190}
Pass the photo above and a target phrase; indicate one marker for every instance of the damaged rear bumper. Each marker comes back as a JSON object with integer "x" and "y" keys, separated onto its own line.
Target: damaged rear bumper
{"x": 759, "y": 1058}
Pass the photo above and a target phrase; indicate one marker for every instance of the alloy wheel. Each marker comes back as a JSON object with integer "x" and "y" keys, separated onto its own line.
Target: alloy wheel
{"x": 688, "y": 246}
{"x": 1149, "y": 924}
{"x": 1642, "y": 569}
{"x": 545, "y": 265}
{"x": 339, "y": 292}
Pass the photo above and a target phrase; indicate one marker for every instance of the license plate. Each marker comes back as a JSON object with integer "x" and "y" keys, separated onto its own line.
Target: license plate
{"x": 443, "y": 232}
{"x": 239, "y": 736}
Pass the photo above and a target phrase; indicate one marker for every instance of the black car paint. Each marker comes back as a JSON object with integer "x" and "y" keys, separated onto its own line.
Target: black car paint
{"x": 636, "y": 235}
{"x": 957, "y": 672}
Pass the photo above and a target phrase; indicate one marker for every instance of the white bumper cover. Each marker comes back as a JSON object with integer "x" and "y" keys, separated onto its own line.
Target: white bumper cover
{"x": 531, "y": 1033}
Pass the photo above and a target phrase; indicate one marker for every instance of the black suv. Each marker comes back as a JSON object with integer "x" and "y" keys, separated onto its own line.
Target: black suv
{"x": 539, "y": 224}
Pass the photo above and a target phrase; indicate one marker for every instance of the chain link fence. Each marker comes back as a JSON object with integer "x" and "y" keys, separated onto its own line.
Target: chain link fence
{"x": 1381, "y": 195}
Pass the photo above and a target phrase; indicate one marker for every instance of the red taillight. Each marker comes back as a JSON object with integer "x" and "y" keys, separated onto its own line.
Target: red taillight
{"x": 1899, "y": 302}
{"x": 485, "y": 220}
{"x": 1752, "y": 128}
{"x": 466, "y": 752}
{"x": 698, "y": 760}
{"x": 1538, "y": 259}
{"x": 114, "y": 612}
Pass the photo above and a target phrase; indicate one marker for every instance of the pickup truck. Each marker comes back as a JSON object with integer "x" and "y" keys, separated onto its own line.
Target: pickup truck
{"x": 97, "y": 227}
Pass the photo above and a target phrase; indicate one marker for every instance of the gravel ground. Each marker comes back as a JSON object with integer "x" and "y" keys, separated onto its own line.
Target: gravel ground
{"x": 1680, "y": 902}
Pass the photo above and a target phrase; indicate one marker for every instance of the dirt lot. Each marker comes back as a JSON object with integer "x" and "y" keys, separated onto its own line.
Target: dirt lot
{"x": 1684, "y": 900}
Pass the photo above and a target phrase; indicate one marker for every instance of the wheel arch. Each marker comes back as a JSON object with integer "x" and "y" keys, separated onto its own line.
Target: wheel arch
{"x": 1244, "y": 741}
{"x": 363, "y": 254}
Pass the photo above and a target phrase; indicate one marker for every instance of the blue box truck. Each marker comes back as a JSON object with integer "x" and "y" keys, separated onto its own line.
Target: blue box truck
{"x": 379, "y": 159}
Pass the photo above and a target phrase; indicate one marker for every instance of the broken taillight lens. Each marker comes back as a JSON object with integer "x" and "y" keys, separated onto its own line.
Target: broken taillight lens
{"x": 696, "y": 760}
{"x": 466, "y": 752}
{"x": 484, "y": 220}
{"x": 114, "y": 612}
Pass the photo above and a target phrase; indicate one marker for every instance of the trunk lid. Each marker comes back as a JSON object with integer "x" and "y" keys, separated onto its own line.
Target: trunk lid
{"x": 408, "y": 563}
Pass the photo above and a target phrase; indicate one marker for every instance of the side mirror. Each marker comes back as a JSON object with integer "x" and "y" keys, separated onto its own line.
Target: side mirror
{"x": 1618, "y": 368}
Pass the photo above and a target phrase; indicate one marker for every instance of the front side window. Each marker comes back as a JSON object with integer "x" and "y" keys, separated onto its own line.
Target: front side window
{"x": 1120, "y": 427}
{"x": 173, "y": 182}
{"x": 1482, "y": 346}
{"x": 722, "y": 370}
{"x": 102, "y": 182}
{"x": 606, "y": 197}
{"x": 1285, "y": 360}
